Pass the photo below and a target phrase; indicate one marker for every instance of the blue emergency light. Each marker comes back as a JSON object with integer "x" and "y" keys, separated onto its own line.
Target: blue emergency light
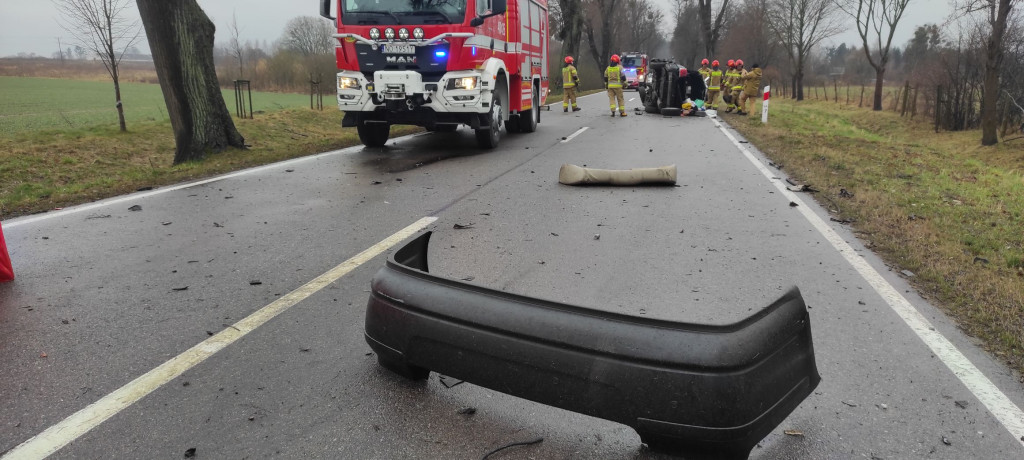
{"x": 440, "y": 54}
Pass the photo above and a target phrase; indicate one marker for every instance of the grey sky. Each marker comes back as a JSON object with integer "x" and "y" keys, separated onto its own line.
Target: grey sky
{"x": 31, "y": 26}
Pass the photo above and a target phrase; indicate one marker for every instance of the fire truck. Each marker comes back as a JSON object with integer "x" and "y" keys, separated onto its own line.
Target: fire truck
{"x": 634, "y": 65}
{"x": 440, "y": 64}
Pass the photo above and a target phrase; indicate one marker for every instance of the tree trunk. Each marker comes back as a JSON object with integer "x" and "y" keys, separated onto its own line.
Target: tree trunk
{"x": 181, "y": 39}
{"x": 993, "y": 63}
{"x": 879, "y": 79}
{"x": 120, "y": 107}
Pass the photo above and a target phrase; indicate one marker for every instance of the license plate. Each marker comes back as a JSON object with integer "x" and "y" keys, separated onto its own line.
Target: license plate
{"x": 399, "y": 49}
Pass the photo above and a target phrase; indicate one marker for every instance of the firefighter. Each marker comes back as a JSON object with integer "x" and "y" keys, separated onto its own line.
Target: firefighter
{"x": 570, "y": 80}
{"x": 714, "y": 85}
{"x": 614, "y": 78}
{"x": 690, "y": 86}
{"x": 704, "y": 71}
{"x": 737, "y": 84}
{"x": 751, "y": 85}
{"x": 730, "y": 93}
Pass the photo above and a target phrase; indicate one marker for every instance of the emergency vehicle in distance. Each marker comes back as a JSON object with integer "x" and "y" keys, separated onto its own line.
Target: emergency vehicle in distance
{"x": 634, "y": 65}
{"x": 440, "y": 64}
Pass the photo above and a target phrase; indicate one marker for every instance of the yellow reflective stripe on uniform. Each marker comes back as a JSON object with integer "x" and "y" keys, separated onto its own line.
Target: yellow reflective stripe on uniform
{"x": 567, "y": 77}
{"x": 613, "y": 74}
{"x": 716, "y": 80}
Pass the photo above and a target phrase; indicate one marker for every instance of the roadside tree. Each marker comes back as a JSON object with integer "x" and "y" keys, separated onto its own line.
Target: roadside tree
{"x": 876, "y": 22}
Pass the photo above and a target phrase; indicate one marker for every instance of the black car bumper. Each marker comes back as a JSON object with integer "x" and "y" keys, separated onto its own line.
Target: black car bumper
{"x": 685, "y": 388}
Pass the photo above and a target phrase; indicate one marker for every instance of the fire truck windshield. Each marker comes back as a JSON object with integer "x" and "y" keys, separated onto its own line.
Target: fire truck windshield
{"x": 407, "y": 12}
{"x": 632, "y": 61}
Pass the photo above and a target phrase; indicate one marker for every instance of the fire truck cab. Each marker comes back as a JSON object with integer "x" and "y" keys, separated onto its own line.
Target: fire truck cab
{"x": 634, "y": 65}
{"x": 440, "y": 64}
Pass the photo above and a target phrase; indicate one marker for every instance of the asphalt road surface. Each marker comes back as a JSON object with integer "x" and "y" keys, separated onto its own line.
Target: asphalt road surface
{"x": 183, "y": 327}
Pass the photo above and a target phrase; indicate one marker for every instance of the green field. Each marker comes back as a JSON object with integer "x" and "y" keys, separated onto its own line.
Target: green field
{"x": 35, "y": 104}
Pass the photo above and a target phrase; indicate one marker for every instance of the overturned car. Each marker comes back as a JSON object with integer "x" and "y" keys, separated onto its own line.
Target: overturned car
{"x": 687, "y": 389}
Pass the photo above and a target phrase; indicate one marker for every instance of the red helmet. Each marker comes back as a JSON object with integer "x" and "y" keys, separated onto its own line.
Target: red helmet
{"x": 739, "y": 63}
{"x": 714, "y": 63}
{"x": 682, "y": 72}
{"x": 704, "y": 62}
{"x": 568, "y": 59}
{"x": 732, "y": 63}
{"x": 615, "y": 58}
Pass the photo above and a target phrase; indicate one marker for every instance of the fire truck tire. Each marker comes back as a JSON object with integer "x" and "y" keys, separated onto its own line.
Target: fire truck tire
{"x": 374, "y": 134}
{"x": 488, "y": 138}
{"x": 528, "y": 120}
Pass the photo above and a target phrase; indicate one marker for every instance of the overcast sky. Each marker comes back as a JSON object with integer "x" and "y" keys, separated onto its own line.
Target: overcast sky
{"x": 30, "y": 26}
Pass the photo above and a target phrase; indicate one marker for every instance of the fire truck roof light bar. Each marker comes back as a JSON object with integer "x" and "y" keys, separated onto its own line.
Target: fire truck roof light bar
{"x": 364, "y": 40}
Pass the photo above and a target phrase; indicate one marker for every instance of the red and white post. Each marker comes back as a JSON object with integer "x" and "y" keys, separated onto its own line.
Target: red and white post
{"x": 6, "y": 271}
{"x": 764, "y": 107}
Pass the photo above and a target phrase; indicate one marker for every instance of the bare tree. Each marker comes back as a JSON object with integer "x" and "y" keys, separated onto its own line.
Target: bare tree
{"x": 711, "y": 31}
{"x": 686, "y": 39}
{"x": 877, "y": 21}
{"x": 996, "y": 14}
{"x": 644, "y": 19}
{"x": 308, "y": 36}
{"x": 181, "y": 38}
{"x": 570, "y": 26}
{"x": 601, "y": 25}
{"x": 235, "y": 48}
{"x": 800, "y": 26}
{"x": 101, "y": 28}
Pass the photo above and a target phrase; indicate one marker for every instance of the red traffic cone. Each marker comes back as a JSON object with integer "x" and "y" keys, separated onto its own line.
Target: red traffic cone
{"x": 6, "y": 271}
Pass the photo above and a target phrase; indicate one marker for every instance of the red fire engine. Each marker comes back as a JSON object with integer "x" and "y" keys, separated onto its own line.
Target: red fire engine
{"x": 440, "y": 64}
{"x": 634, "y": 65}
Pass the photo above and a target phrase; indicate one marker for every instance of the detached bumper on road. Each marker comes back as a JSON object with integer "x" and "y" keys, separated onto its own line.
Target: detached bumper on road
{"x": 685, "y": 388}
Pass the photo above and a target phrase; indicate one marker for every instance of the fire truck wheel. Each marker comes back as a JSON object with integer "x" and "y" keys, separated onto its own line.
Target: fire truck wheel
{"x": 488, "y": 138}
{"x": 528, "y": 120}
{"x": 374, "y": 134}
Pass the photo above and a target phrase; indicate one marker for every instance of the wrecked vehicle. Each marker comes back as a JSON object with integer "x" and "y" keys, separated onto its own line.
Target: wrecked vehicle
{"x": 686, "y": 389}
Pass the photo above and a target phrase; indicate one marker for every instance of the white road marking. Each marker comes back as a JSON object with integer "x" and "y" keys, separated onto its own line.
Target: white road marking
{"x": 577, "y": 133}
{"x": 1008, "y": 414}
{"x": 631, "y": 99}
{"x": 68, "y": 430}
{"x": 138, "y": 196}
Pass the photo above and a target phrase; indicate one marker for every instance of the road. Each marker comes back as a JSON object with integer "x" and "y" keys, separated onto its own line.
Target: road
{"x": 105, "y": 294}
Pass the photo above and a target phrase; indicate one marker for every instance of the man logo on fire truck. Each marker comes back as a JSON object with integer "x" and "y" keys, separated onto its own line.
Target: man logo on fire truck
{"x": 440, "y": 64}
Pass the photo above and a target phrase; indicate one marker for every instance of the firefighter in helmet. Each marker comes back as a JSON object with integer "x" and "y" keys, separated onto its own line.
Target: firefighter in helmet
{"x": 751, "y": 86}
{"x": 704, "y": 71}
{"x": 715, "y": 79}
{"x": 729, "y": 96}
{"x": 737, "y": 85}
{"x": 614, "y": 78}
{"x": 570, "y": 80}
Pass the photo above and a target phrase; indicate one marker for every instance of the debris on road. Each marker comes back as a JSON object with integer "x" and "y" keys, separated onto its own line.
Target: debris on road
{"x": 946, "y": 441}
{"x": 98, "y": 216}
{"x": 255, "y": 283}
{"x": 841, "y": 221}
{"x": 135, "y": 208}
{"x": 506, "y": 446}
{"x": 190, "y": 453}
{"x": 575, "y": 175}
{"x": 961, "y": 404}
{"x": 462, "y": 227}
{"x": 444, "y": 381}
{"x": 289, "y": 170}
{"x": 468, "y": 278}
{"x": 849, "y": 404}
{"x": 165, "y": 223}
{"x": 42, "y": 355}
{"x": 180, "y": 288}
{"x": 794, "y": 433}
{"x": 597, "y": 236}
{"x": 793, "y": 204}
{"x": 908, "y": 273}
{"x": 467, "y": 410}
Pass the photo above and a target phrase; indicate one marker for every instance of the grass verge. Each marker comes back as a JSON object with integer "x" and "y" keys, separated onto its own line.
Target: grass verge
{"x": 936, "y": 204}
{"x": 43, "y": 170}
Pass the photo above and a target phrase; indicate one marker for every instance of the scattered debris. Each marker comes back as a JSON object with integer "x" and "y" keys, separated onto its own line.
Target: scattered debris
{"x": 597, "y": 236}
{"x": 304, "y": 350}
{"x": 849, "y": 404}
{"x": 135, "y": 208}
{"x": 980, "y": 259}
{"x": 794, "y": 433}
{"x": 468, "y": 278}
{"x": 467, "y": 410}
{"x": 462, "y": 227}
{"x": 506, "y": 446}
{"x": 64, "y": 321}
{"x": 255, "y": 283}
{"x": 42, "y": 355}
{"x": 217, "y": 225}
{"x": 841, "y": 221}
{"x": 289, "y": 170}
{"x": 844, "y": 193}
{"x": 744, "y": 142}
{"x": 946, "y": 441}
{"x": 961, "y": 404}
{"x": 908, "y": 273}
{"x": 98, "y": 216}
{"x": 143, "y": 189}
{"x": 682, "y": 231}
{"x": 376, "y": 182}
{"x": 802, "y": 188}
{"x": 180, "y": 288}
{"x": 444, "y": 381}
{"x": 190, "y": 453}
{"x": 165, "y": 223}
{"x": 554, "y": 234}
{"x": 185, "y": 383}
{"x": 793, "y": 204}
{"x": 861, "y": 302}
{"x": 883, "y": 406}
